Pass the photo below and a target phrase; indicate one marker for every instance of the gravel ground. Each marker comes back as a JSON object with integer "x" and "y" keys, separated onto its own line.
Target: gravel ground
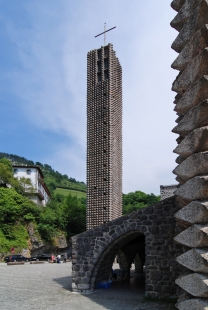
{"x": 47, "y": 286}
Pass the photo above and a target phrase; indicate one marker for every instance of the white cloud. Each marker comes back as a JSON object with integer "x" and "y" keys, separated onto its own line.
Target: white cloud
{"x": 52, "y": 81}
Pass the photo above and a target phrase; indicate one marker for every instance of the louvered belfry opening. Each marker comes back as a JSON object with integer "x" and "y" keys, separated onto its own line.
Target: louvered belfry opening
{"x": 104, "y": 136}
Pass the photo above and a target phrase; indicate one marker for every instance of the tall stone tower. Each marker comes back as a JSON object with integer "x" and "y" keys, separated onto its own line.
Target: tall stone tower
{"x": 104, "y": 136}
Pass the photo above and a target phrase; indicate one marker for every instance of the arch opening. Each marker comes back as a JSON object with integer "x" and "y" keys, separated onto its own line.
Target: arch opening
{"x": 123, "y": 255}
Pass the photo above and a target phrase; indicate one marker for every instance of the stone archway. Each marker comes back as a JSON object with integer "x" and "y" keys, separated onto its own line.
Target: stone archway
{"x": 103, "y": 266}
{"x": 93, "y": 251}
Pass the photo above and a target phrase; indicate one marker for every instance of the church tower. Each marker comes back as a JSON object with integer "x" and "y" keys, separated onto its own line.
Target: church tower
{"x": 104, "y": 136}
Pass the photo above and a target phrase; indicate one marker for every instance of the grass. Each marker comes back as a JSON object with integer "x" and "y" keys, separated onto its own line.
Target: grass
{"x": 66, "y": 192}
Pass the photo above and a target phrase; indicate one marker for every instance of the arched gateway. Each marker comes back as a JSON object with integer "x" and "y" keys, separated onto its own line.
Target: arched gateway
{"x": 146, "y": 234}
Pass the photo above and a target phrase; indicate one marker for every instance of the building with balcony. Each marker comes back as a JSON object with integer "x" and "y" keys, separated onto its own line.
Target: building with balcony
{"x": 41, "y": 193}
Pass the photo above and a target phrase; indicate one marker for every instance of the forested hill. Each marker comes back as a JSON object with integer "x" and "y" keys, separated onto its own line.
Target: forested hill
{"x": 52, "y": 178}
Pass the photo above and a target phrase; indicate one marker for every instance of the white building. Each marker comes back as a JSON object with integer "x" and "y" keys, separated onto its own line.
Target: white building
{"x": 34, "y": 173}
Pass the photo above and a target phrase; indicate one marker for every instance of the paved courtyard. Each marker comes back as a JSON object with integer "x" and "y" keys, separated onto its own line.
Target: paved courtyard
{"x": 47, "y": 286}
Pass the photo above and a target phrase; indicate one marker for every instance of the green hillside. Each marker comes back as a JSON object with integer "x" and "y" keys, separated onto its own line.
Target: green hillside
{"x": 53, "y": 179}
{"x": 65, "y": 213}
{"x": 66, "y": 192}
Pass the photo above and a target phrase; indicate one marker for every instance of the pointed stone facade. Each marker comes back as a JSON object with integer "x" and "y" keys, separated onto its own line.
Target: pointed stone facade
{"x": 191, "y": 105}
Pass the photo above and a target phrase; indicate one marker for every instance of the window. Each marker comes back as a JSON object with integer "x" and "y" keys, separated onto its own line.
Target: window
{"x": 106, "y": 52}
{"x": 28, "y": 171}
{"x": 106, "y": 75}
{"x": 99, "y": 77}
{"x": 106, "y": 63}
{"x": 99, "y": 54}
{"x": 99, "y": 66}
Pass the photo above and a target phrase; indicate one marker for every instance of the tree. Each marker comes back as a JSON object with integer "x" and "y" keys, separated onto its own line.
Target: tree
{"x": 7, "y": 163}
{"x": 26, "y": 186}
{"x": 6, "y": 175}
{"x": 137, "y": 200}
{"x": 75, "y": 215}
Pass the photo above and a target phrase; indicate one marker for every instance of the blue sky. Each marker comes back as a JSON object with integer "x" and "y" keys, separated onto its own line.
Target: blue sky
{"x": 44, "y": 46}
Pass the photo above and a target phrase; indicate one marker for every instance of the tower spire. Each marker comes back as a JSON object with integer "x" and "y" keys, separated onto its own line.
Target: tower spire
{"x": 104, "y": 33}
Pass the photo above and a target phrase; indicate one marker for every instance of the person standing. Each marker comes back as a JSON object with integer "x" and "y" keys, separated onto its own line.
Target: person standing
{"x": 65, "y": 257}
{"x": 58, "y": 258}
{"x": 52, "y": 258}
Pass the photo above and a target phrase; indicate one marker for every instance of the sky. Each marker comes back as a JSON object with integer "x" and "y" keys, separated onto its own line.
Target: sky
{"x": 43, "y": 61}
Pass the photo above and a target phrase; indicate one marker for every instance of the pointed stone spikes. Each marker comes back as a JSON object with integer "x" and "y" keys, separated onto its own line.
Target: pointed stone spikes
{"x": 184, "y": 13}
{"x": 180, "y": 181}
{"x": 195, "y": 212}
{"x": 194, "y": 71}
{"x": 179, "y": 139}
{"x": 177, "y": 98}
{"x": 194, "y": 189}
{"x": 196, "y": 93}
{"x": 195, "y": 284}
{"x": 195, "y": 118}
{"x": 179, "y": 159}
{"x": 197, "y": 43}
{"x": 195, "y": 236}
{"x": 196, "y": 164}
{"x": 195, "y": 260}
{"x": 196, "y": 141}
{"x": 192, "y": 304}
{"x": 198, "y": 18}
{"x": 179, "y": 119}
{"x": 177, "y": 4}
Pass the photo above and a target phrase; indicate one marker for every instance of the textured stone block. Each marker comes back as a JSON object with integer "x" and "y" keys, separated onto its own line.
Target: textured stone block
{"x": 197, "y": 43}
{"x": 198, "y": 18}
{"x": 192, "y": 304}
{"x": 195, "y": 260}
{"x": 83, "y": 286}
{"x": 196, "y": 117}
{"x": 195, "y": 212}
{"x": 195, "y": 284}
{"x": 195, "y": 70}
{"x": 179, "y": 159}
{"x": 177, "y": 4}
{"x": 193, "y": 96}
{"x": 74, "y": 286}
{"x": 195, "y": 141}
{"x": 194, "y": 236}
{"x": 185, "y": 11}
{"x": 196, "y": 164}
{"x": 194, "y": 189}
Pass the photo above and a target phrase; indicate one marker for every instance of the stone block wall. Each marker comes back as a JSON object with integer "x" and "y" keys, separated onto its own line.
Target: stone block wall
{"x": 151, "y": 230}
{"x": 191, "y": 106}
{"x": 167, "y": 191}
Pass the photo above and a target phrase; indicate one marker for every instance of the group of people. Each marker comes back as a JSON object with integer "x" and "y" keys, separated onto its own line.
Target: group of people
{"x": 57, "y": 259}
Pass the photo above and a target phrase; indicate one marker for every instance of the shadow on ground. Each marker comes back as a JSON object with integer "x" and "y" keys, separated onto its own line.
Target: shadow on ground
{"x": 64, "y": 282}
{"x": 123, "y": 295}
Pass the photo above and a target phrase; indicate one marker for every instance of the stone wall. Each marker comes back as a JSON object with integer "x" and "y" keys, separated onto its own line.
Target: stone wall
{"x": 191, "y": 105}
{"x": 167, "y": 191}
{"x": 148, "y": 232}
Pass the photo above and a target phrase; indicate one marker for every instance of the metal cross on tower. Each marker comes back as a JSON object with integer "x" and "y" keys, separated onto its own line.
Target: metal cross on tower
{"x": 104, "y": 33}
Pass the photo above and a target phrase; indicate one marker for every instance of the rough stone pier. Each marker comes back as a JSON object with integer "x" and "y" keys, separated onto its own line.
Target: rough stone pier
{"x": 191, "y": 105}
{"x": 146, "y": 234}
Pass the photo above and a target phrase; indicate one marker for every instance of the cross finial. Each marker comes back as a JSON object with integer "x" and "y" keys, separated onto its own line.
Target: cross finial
{"x": 104, "y": 33}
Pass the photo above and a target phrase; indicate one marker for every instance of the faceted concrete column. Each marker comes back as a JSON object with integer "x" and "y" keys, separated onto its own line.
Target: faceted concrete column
{"x": 191, "y": 105}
